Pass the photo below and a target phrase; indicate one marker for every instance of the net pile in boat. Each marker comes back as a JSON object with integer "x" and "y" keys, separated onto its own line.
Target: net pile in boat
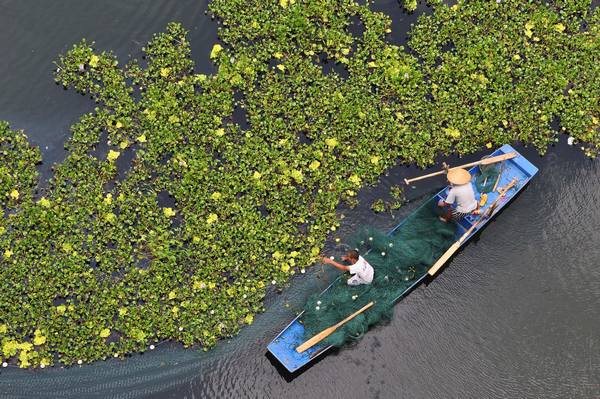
{"x": 399, "y": 260}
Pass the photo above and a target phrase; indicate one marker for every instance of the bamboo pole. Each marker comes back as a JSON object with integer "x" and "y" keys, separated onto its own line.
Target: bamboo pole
{"x": 328, "y": 331}
{"x": 485, "y": 161}
{"x": 454, "y": 247}
{"x": 498, "y": 178}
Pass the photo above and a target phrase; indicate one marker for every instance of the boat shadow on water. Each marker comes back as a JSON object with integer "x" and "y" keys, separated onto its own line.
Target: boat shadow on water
{"x": 291, "y": 376}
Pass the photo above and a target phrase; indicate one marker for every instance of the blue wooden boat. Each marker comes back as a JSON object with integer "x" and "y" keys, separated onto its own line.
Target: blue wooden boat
{"x": 283, "y": 347}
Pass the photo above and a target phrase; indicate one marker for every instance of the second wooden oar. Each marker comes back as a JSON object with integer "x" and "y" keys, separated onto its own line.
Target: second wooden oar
{"x": 454, "y": 247}
{"x": 328, "y": 331}
{"x": 485, "y": 161}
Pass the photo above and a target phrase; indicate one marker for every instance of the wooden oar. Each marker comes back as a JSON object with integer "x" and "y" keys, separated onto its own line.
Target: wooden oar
{"x": 485, "y": 161}
{"x": 328, "y": 331}
{"x": 454, "y": 247}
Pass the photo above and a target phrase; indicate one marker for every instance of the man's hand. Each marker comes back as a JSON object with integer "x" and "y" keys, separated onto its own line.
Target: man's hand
{"x": 326, "y": 260}
{"x": 334, "y": 263}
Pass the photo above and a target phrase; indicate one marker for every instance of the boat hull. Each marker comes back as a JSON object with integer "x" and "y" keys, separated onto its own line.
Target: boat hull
{"x": 283, "y": 347}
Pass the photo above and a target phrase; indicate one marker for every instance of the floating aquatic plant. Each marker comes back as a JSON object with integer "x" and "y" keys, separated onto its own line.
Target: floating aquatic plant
{"x": 378, "y": 206}
{"x": 18, "y": 173}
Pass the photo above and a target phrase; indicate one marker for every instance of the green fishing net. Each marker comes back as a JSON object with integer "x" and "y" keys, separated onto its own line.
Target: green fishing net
{"x": 399, "y": 260}
{"x": 486, "y": 177}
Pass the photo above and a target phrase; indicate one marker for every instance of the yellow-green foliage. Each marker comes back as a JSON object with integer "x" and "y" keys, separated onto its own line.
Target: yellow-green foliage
{"x": 18, "y": 174}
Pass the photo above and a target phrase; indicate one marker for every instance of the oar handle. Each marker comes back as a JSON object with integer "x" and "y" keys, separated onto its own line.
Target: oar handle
{"x": 353, "y": 315}
{"x": 408, "y": 181}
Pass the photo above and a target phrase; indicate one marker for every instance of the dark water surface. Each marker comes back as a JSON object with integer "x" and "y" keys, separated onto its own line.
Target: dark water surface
{"x": 515, "y": 315}
{"x": 34, "y": 32}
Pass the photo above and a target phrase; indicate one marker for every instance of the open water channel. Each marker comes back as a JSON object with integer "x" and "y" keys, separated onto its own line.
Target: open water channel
{"x": 515, "y": 315}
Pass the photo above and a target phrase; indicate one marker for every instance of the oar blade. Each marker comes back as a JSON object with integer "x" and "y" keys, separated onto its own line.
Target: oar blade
{"x": 444, "y": 258}
{"x": 328, "y": 331}
{"x": 498, "y": 158}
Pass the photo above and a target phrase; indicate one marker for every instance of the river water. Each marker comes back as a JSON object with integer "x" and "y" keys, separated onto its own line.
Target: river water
{"x": 516, "y": 314}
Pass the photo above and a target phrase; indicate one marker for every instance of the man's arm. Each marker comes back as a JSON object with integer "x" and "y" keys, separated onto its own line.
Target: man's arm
{"x": 449, "y": 199}
{"x": 335, "y": 264}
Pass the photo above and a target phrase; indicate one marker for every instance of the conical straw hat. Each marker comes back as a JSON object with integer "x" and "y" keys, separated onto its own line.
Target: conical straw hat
{"x": 459, "y": 176}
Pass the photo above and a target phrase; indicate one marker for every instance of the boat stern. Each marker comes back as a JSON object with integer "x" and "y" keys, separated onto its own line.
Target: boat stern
{"x": 283, "y": 347}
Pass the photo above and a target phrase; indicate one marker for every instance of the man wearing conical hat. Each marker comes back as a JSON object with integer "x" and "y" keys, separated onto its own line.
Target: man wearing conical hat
{"x": 461, "y": 193}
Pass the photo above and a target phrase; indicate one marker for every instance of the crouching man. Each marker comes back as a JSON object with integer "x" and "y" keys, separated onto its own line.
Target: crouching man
{"x": 362, "y": 272}
{"x": 462, "y": 193}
